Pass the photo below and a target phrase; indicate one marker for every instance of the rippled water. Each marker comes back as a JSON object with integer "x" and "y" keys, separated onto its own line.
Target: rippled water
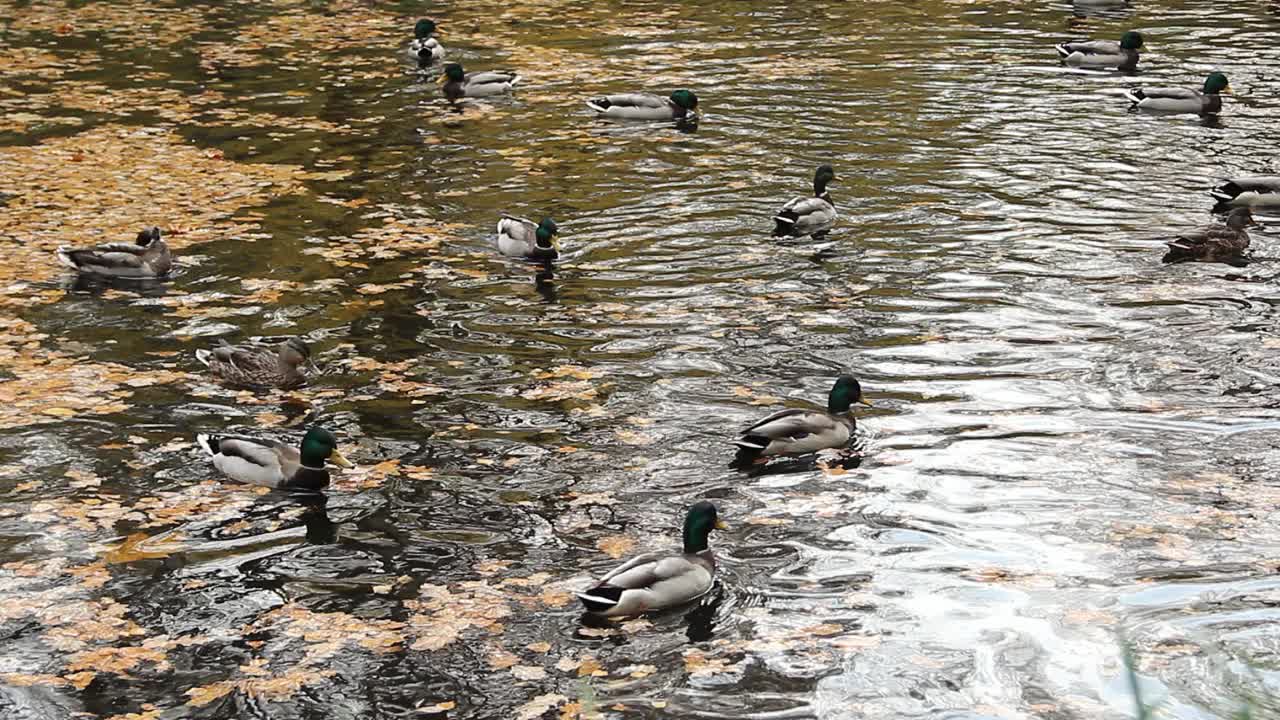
{"x": 1071, "y": 442}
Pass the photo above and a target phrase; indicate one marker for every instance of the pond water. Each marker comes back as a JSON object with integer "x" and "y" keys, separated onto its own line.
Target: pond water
{"x": 1072, "y": 446}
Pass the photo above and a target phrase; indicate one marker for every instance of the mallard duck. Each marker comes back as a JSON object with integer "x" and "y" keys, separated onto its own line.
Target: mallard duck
{"x": 642, "y": 106}
{"x": 282, "y": 365}
{"x": 1121, "y": 55}
{"x": 518, "y": 237}
{"x": 798, "y": 432}
{"x": 424, "y": 47}
{"x": 1248, "y": 191}
{"x": 1206, "y": 101}
{"x": 145, "y": 257}
{"x": 655, "y": 581}
{"x": 273, "y": 464}
{"x": 809, "y": 215}
{"x": 459, "y": 84}
{"x": 1214, "y": 243}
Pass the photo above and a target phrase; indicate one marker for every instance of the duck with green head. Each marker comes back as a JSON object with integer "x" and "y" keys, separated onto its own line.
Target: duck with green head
{"x": 282, "y": 365}
{"x": 146, "y": 257}
{"x": 522, "y": 238}
{"x": 1121, "y": 55}
{"x": 1205, "y": 101}
{"x": 271, "y": 463}
{"x": 680, "y": 105}
{"x": 804, "y": 216}
{"x": 797, "y": 431}
{"x": 459, "y": 84}
{"x": 657, "y": 581}
{"x": 424, "y": 47}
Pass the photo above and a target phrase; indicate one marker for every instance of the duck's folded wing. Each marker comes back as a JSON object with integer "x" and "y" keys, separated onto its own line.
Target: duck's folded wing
{"x": 635, "y": 100}
{"x": 516, "y": 227}
{"x": 1092, "y": 47}
{"x": 246, "y": 357}
{"x": 645, "y": 571}
{"x": 122, "y": 256}
{"x": 793, "y": 423}
{"x": 802, "y": 206}
{"x": 490, "y": 76}
{"x": 1170, "y": 93}
{"x": 261, "y": 453}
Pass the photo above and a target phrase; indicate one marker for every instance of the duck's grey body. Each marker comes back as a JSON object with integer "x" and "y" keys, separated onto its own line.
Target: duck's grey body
{"x": 806, "y": 216}
{"x": 797, "y": 432}
{"x": 518, "y": 237}
{"x": 481, "y": 84}
{"x": 1175, "y": 100}
{"x": 1249, "y": 191}
{"x": 146, "y": 257}
{"x": 268, "y": 463}
{"x": 636, "y": 106}
{"x": 654, "y": 581}
{"x": 1097, "y": 54}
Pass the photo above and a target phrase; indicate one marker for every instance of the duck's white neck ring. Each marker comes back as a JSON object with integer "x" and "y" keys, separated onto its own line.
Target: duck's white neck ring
{"x": 308, "y": 467}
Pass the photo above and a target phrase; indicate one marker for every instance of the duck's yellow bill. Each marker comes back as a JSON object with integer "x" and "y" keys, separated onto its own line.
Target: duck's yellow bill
{"x": 1227, "y": 90}
{"x": 864, "y": 401}
{"x": 722, "y": 525}
{"x": 440, "y": 80}
{"x": 336, "y": 458}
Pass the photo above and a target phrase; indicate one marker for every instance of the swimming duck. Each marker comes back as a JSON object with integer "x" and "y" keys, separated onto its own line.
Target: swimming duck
{"x": 1121, "y": 55}
{"x": 145, "y": 257}
{"x": 518, "y": 237}
{"x": 797, "y": 432}
{"x": 273, "y": 464}
{"x": 257, "y": 364}
{"x": 1248, "y": 191}
{"x": 809, "y": 215}
{"x": 642, "y": 106}
{"x": 1214, "y": 243}
{"x": 424, "y": 47}
{"x": 655, "y": 581}
{"x": 459, "y": 84}
{"x": 1206, "y": 101}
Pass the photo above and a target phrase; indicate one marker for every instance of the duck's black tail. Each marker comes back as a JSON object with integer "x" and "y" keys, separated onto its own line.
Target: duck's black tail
{"x": 601, "y": 598}
{"x": 785, "y": 223}
{"x": 749, "y": 450}
{"x": 1179, "y": 252}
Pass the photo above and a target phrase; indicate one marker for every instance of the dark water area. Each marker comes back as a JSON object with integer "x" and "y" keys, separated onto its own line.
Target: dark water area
{"x": 1072, "y": 445}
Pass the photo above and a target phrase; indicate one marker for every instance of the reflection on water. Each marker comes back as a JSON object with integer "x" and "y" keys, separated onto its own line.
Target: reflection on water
{"x": 1071, "y": 440}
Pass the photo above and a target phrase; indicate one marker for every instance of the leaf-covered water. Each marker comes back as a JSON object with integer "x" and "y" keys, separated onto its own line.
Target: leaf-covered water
{"x": 1071, "y": 442}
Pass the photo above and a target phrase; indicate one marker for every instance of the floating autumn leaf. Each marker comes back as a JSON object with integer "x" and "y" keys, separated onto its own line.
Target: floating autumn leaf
{"x": 538, "y": 706}
{"x": 529, "y": 672}
{"x": 590, "y": 666}
{"x": 501, "y": 659}
{"x": 260, "y": 688}
{"x": 743, "y": 391}
{"x": 615, "y": 546}
{"x": 561, "y": 391}
{"x": 443, "y": 615}
{"x": 697, "y": 664}
{"x": 140, "y": 546}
